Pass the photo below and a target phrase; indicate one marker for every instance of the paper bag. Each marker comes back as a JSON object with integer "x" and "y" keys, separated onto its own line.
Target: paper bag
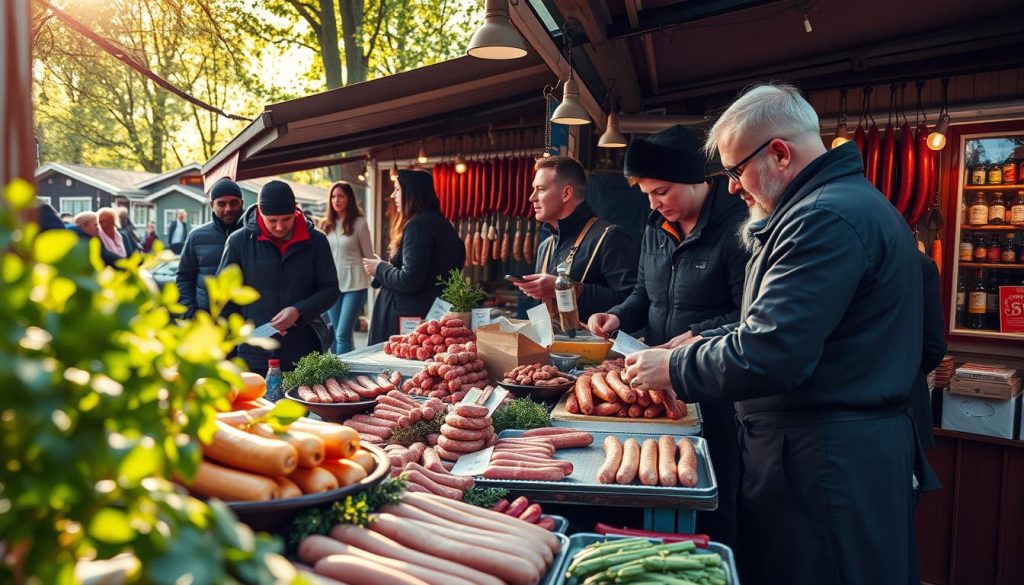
{"x": 506, "y": 344}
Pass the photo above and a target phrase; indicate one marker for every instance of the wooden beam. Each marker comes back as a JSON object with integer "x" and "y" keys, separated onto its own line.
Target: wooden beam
{"x": 610, "y": 57}
{"x": 652, "y": 66}
{"x": 677, "y": 13}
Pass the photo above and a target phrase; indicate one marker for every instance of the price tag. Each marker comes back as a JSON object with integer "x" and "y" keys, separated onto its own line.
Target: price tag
{"x": 473, "y": 464}
{"x": 265, "y": 330}
{"x": 407, "y": 325}
{"x": 627, "y": 345}
{"x": 481, "y": 317}
{"x": 439, "y": 309}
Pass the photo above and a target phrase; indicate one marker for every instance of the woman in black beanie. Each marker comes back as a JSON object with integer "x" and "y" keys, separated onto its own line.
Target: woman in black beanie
{"x": 424, "y": 245}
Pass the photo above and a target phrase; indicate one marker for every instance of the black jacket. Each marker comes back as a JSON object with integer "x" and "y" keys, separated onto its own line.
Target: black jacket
{"x": 691, "y": 285}
{"x": 933, "y": 350}
{"x": 174, "y": 226}
{"x": 408, "y": 284}
{"x": 612, "y": 275}
{"x": 200, "y": 257}
{"x": 831, "y": 315}
{"x": 304, "y": 278}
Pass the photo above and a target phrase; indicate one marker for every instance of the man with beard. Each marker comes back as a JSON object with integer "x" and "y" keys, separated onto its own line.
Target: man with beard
{"x": 205, "y": 245}
{"x": 822, "y": 360}
{"x": 690, "y": 280}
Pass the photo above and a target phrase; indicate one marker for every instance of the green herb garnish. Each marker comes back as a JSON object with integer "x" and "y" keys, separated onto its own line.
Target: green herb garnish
{"x": 315, "y": 368}
{"x": 520, "y": 414}
{"x": 417, "y": 432}
{"x": 483, "y": 497}
{"x": 354, "y": 509}
{"x": 460, "y": 292}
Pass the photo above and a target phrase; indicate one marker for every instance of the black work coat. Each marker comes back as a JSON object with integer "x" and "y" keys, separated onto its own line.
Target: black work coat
{"x": 200, "y": 257}
{"x": 408, "y": 283}
{"x": 820, "y": 366}
{"x": 690, "y": 284}
{"x": 303, "y": 277}
{"x": 612, "y": 273}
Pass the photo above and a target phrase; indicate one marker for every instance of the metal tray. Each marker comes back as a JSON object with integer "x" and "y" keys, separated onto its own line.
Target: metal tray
{"x": 556, "y": 570}
{"x": 561, "y": 523}
{"x": 689, "y": 425}
{"x": 373, "y": 359}
{"x": 578, "y": 542}
{"x": 581, "y": 487}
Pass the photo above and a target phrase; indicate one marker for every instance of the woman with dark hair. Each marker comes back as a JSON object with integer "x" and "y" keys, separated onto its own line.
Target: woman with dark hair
{"x": 349, "y": 237}
{"x": 424, "y": 245}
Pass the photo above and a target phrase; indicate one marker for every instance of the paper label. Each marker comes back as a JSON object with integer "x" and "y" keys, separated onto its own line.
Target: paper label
{"x": 492, "y": 402}
{"x": 265, "y": 330}
{"x": 626, "y": 344}
{"x": 439, "y": 309}
{"x": 473, "y": 464}
{"x": 566, "y": 301}
{"x": 407, "y": 325}
{"x": 480, "y": 317}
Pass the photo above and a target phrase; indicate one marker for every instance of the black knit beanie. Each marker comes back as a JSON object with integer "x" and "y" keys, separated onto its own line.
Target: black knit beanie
{"x": 671, "y": 155}
{"x": 276, "y": 198}
{"x": 225, "y": 187}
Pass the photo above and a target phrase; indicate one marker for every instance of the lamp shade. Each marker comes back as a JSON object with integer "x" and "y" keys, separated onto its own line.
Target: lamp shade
{"x": 497, "y": 38}
{"x": 570, "y": 112}
{"x": 842, "y": 136}
{"x": 937, "y": 138}
{"x": 612, "y": 138}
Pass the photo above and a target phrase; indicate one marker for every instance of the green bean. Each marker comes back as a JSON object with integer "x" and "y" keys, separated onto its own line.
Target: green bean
{"x": 674, "y": 563}
{"x": 601, "y": 563}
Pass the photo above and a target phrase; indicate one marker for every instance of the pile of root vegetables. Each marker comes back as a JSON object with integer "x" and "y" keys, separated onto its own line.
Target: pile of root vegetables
{"x": 426, "y": 539}
{"x": 429, "y": 339}
{"x": 603, "y": 391}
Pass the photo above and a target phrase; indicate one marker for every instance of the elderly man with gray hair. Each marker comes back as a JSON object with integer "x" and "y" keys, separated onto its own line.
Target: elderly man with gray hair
{"x": 822, "y": 360}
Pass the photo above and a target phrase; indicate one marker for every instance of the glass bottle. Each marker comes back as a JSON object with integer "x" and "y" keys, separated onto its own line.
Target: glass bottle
{"x": 997, "y": 209}
{"x": 966, "y": 248}
{"x": 274, "y": 381}
{"x": 961, "y": 302}
{"x": 976, "y": 301}
{"x": 995, "y": 251}
{"x": 1009, "y": 250}
{"x": 1010, "y": 172}
{"x": 978, "y": 214}
{"x": 992, "y": 301}
{"x": 565, "y": 299}
{"x": 1017, "y": 209}
{"x": 995, "y": 174}
{"x": 980, "y": 250}
{"x": 978, "y": 175}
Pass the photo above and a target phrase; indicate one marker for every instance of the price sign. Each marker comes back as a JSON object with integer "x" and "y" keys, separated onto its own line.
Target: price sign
{"x": 1011, "y": 309}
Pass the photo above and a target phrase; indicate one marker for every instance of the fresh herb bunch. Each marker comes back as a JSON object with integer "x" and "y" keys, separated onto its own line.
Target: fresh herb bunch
{"x": 417, "y": 432}
{"x": 314, "y": 368}
{"x": 484, "y": 497}
{"x": 521, "y": 414}
{"x": 355, "y": 509}
{"x": 460, "y": 292}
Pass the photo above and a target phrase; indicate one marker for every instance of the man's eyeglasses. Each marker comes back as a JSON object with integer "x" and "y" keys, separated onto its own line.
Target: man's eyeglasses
{"x": 734, "y": 172}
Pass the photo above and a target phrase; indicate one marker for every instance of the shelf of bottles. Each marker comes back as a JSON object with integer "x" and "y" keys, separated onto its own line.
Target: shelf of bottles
{"x": 990, "y": 232}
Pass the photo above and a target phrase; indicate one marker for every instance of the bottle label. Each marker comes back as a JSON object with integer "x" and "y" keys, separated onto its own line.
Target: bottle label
{"x": 566, "y": 300}
{"x": 981, "y": 253}
{"x": 1017, "y": 215}
{"x": 976, "y": 302}
{"x": 966, "y": 251}
{"x": 996, "y": 212}
{"x": 992, "y": 302}
{"x": 1009, "y": 255}
{"x": 960, "y": 298}
{"x": 979, "y": 215}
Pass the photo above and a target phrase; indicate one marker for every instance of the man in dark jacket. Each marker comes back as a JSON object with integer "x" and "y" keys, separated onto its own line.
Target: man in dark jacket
{"x": 823, "y": 359}
{"x": 289, "y": 263}
{"x": 604, "y": 261}
{"x": 177, "y": 232}
{"x": 690, "y": 280}
{"x": 205, "y": 246}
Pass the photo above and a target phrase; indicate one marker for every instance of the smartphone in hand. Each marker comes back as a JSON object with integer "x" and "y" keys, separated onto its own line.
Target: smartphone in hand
{"x": 514, "y": 279}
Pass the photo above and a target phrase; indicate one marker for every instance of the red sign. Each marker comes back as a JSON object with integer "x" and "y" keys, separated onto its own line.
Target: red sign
{"x": 1011, "y": 309}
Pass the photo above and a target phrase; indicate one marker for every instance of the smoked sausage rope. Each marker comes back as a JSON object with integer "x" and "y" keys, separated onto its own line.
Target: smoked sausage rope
{"x": 888, "y": 162}
{"x": 925, "y": 172}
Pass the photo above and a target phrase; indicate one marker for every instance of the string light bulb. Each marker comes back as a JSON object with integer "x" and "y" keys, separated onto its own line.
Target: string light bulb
{"x": 937, "y": 137}
{"x": 460, "y": 164}
{"x": 422, "y": 156}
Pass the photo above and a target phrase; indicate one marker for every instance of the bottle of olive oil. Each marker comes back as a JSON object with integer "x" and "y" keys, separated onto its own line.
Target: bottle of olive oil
{"x": 565, "y": 299}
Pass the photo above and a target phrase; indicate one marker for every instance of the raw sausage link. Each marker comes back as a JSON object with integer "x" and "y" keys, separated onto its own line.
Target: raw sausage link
{"x": 612, "y": 459}
{"x": 666, "y": 461}
{"x": 630, "y": 462}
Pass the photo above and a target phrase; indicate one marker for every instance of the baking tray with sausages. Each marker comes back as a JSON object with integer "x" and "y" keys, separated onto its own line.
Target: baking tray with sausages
{"x": 582, "y": 487}
{"x": 373, "y": 359}
{"x": 691, "y": 424}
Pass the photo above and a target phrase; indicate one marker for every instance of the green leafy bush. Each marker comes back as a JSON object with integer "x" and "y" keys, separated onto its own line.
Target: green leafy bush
{"x": 460, "y": 292}
{"x": 101, "y": 407}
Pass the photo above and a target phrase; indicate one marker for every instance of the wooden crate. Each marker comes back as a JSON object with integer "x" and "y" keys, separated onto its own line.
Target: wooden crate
{"x": 1005, "y": 389}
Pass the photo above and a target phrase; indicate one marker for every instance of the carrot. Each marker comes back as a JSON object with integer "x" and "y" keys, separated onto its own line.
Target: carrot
{"x": 612, "y": 459}
{"x": 253, "y": 387}
{"x": 288, "y": 487}
{"x": 666, "y": 461}
{"x": 310, "y": 448}
{"x": 345, "y": 471}
{"x": 365, "y": 460}
{"x": 359, "y": 571}
{"x": 630, "y": 462}
{"x": 340, "y": 442}
{"x": 313, "y": 480}
{"x": 376, "y": 543}
{"x": 687, "y": 469}
{"x": 649, "y": 462}
{"x": 231, "y": 485}
{"x": 249, "y": 452}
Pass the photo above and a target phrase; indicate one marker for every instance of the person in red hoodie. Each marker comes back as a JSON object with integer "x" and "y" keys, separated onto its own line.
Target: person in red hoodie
{"x": 289, "y": 263}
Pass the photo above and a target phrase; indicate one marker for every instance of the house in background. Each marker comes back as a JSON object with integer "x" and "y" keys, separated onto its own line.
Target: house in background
{"x": 149, "y": 196}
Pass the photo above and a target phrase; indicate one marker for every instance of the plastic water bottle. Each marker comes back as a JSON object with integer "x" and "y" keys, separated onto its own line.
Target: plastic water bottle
{"x": 274, "y": 382}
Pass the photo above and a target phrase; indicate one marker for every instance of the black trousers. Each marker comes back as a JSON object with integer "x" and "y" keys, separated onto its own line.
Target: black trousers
{"x": 826, "y": 500}
{"x": 720, "y": 430}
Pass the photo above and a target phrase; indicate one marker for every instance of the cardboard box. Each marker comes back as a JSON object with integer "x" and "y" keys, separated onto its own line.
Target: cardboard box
{"x": 594, "y": 350}
{"x": 981, "y": 416}
{"x": 1003, "y": 390}
{"x": 501, "y": 351}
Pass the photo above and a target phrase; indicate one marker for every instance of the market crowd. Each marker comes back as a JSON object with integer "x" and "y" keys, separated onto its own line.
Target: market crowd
{"x": 764, "y": 291}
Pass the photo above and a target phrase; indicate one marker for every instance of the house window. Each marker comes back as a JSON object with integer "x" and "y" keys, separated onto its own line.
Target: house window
{"x": 75, "y": 205}
{"x": 192, "y": 181}
{"x": 142, "y": 215}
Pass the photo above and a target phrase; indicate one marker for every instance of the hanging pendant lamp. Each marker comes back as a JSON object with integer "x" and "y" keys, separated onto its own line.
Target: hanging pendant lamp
{"x": 497, "y": 38}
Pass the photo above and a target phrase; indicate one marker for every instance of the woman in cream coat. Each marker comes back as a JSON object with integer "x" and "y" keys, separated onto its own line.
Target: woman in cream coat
{"x": 349, "y": 237}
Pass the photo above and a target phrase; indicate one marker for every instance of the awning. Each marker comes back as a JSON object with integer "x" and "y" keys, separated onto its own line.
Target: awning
{"x": 342, "y": 124}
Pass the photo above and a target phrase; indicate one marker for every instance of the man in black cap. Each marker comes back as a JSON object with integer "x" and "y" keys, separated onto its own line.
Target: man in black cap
{"x": 289, "y": 263}
{"x": 690, "y": 280}
{"x": 600, "y": 255}
{"x": 205, "y": 245}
